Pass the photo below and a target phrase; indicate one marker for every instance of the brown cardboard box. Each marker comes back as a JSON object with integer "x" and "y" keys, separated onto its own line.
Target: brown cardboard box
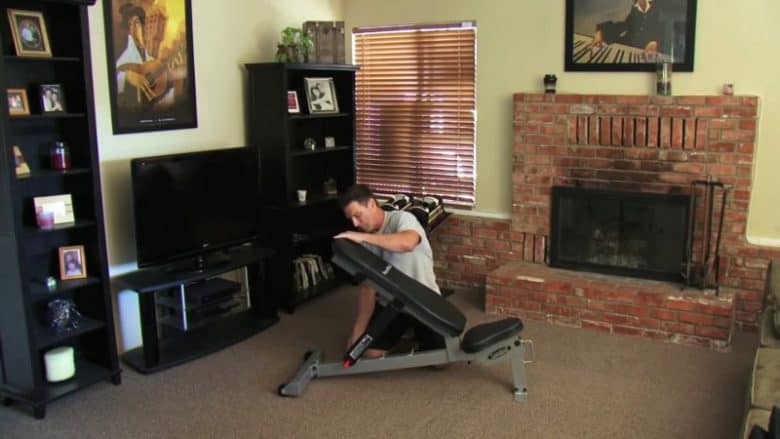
{"x": 328, "y": 41}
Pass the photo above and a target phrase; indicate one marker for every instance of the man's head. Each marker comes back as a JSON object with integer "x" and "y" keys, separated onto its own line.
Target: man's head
{"x": 133, "y": 17}
{"x": 360, "y": 207}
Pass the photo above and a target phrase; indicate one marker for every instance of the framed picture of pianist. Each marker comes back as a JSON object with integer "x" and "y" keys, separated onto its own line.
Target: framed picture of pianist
{"x": 629, "y": 35}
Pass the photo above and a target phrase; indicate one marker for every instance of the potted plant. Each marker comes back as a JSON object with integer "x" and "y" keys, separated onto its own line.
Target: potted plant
{"x": 295, "y": 46}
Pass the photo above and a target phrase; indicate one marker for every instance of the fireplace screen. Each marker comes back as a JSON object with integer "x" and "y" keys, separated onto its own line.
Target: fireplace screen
{"x": 624, "y": 233}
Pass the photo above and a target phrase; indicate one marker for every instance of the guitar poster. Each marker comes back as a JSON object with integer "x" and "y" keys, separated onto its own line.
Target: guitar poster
{"x": 150, "y": 65}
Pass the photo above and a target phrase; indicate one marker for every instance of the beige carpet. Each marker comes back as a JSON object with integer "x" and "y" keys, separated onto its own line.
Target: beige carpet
{"x": 583, "y": 384}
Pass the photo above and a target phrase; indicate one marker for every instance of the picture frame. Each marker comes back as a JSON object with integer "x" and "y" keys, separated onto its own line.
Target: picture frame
{"x": 321, "y": 95}
{"x": 60, "y": 207}
{"x": 17, "y": 102}
{"x": 605, "y": 35}
{"x": 292, "y": 102}
{"x": 28, "y": 30}
{"x": 330, "y": 142}
{"x": 52, "y": 98}
{"x": 72, "y": 262}
{"x": 167, "y": 64}
{"x": 22, "y": 168}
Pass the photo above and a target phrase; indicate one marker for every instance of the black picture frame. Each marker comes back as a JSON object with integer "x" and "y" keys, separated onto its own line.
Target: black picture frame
{"x": 168, "y": 100}
{"x": 673, "y": 21}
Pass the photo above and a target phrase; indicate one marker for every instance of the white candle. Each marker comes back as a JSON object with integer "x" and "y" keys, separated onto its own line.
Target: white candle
{"x": 59, "y": 364}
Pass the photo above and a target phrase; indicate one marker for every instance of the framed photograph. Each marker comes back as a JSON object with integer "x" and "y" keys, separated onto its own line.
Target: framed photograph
{"x": 629, "y": 35}
{"x": 22, "y": 168}
{"x": 330, "y": 142}
{"x": 151, "y": 67}
{"x": 17, "y": 102}
{"x": 28, "y": 30}
{"x": 72, "y": 262}
{"x": 52, "y": 98}
{"x": 54, "y": 209}
{"x": 321, "y": 94}
{"x": 292, "y": 102}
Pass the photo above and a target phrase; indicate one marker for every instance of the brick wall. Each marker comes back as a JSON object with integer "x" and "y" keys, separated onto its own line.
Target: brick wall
{"x": 620, "y": 142}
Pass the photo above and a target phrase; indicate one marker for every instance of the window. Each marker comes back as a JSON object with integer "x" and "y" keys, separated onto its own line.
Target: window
{"x": 416, "y": 110}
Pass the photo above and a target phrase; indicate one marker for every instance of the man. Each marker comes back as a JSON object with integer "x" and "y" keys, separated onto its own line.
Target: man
{"x": 642, "y": 28}
{"x": 129, "y": 70}
{"x": 399, "y": 239}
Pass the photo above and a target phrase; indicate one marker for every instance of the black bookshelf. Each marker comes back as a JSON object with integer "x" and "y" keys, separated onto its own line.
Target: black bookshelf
{"x": 294, "y": 227}
{"x": 28, "y": 254}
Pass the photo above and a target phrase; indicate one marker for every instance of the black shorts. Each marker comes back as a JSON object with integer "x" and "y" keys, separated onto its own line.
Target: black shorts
{"x": 389, "y": 338}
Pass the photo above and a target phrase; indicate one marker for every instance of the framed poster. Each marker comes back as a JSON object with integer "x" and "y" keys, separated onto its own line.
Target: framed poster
{"x": 17, "y": 102}
{"x": 629, "y": 35}
{"x": 150, "y": 65}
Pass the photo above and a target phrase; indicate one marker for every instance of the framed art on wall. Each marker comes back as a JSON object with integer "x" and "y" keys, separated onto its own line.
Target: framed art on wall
{"x": 150, "y": 65}
{"x": 633, "y": 35}
{"x": 28, "y": 30}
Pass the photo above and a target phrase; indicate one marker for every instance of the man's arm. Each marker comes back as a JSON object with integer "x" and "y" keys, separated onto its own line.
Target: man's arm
{"x": 403, "y": 241}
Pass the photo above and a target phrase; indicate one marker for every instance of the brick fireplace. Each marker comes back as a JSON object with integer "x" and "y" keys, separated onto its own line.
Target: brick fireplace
{"x": 643, "y": 144}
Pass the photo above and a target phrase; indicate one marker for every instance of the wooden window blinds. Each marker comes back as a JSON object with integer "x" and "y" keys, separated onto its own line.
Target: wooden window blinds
{"x": 416, "y": 110}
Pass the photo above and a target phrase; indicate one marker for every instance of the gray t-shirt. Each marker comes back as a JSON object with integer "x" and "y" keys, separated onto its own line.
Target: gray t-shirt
{"x": 418, "y": 263}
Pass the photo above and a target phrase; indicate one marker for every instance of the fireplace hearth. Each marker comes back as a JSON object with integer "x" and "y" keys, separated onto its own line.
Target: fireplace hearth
{"x": 632, "y": 234}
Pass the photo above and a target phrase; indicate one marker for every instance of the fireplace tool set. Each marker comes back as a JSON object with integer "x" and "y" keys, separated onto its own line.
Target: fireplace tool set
{"x": 708, "y": 277}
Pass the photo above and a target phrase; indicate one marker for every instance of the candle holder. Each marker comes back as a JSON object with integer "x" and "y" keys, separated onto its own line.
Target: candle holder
{"x": 663, "y": 76}
{"x": 549, "y": 83}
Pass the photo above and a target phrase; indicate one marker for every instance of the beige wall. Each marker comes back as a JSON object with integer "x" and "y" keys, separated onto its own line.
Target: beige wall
{"x": 519, "y": 41}
{"x": 226, "y": 35}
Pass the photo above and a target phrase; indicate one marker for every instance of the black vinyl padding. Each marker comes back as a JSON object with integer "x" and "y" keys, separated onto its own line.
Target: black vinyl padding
{"x": 418, "y": 300}
{"x": 482, "y": 336}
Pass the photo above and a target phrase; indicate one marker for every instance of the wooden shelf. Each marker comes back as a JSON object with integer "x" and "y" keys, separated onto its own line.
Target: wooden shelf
{"x": 79, "y": 224}
{"x": 48, "y": 116}
{"x": 38, "y": 290}
{"x": 46, "y": 337}
{"x": 319, "y": 116}
{"x": 15, "y": 58}
{"x": 307, "y": 152}
{"x": 51, "y": 173}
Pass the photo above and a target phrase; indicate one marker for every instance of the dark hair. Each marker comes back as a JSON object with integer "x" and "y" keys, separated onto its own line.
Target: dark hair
{"x": 357, "y": 192}
{"x": 130, "y": 10}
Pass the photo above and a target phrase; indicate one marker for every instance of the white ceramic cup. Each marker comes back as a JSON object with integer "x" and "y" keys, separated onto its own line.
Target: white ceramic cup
{"x": 301, "y": 195}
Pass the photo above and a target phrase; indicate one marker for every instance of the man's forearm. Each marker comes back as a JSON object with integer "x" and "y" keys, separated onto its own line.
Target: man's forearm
{"x": 404, "y": 241}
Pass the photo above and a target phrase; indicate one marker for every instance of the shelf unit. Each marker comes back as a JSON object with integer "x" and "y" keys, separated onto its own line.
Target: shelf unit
{"x": 29, "y": 254}
{"x": 286, "y": 166}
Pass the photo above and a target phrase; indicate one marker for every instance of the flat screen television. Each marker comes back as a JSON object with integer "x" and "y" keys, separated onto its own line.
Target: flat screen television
{"x": 188, "y": 206}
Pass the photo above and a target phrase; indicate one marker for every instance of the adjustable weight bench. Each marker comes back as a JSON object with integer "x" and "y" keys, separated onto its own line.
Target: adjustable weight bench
{"x": 485, "y": 343}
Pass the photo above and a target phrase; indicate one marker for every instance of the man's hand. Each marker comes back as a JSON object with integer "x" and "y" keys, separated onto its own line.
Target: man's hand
{"x": 140, "y": 82}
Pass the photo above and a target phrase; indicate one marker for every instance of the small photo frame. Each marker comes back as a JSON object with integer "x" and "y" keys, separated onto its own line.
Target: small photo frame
{"x": 29, "y": 33}
{"x": 53, "y": 210}
{"x": 22, "y": 169}
{"x": 292, "y": 102}
{"x": 52, "y": 98}
{"x": 321, "y": 95}
{"x": 17, "y": 102}
{"x": 72, "y": 262}
{"x": 330, "y": 142}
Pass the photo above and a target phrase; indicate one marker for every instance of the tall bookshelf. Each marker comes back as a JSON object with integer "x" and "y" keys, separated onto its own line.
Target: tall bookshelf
{"x": 30, "y": 254}
{"x": 287, "y": 164}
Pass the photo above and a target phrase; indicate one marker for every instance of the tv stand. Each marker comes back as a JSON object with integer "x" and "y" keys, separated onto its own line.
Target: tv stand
{"x": 199, "y": 263}
{"x": 210, "y": 335}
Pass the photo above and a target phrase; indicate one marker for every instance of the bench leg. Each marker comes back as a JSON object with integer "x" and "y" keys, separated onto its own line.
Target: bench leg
{"x": 305, "y": 374}
{"x": 517, "y": 358}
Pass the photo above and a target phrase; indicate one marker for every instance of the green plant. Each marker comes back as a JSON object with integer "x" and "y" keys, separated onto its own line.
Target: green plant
{"x": 295, "y": 45}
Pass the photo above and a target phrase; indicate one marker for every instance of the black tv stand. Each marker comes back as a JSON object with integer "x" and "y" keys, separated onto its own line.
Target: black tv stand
{"x": 179, "y": 347}
{"x": 199, "y": 263}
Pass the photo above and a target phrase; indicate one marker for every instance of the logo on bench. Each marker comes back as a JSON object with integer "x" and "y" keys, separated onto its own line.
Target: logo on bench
{"x": 387, "y": 269}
